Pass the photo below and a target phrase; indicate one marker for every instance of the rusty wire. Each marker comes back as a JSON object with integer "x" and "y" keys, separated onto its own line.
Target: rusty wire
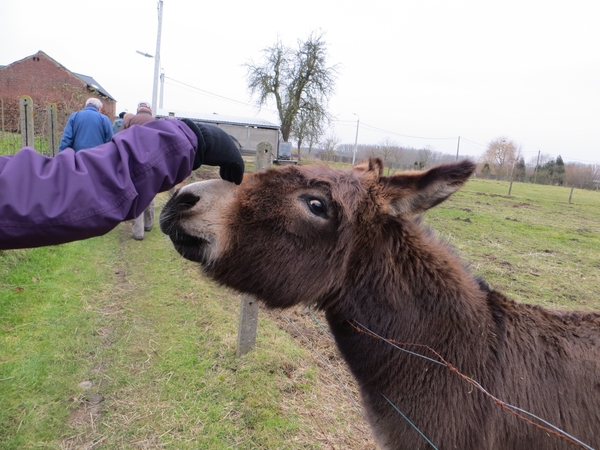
{"x": 548, "y": 427}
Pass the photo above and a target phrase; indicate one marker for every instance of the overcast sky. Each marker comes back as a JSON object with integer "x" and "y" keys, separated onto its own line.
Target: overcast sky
{"x": 419, "y": 73}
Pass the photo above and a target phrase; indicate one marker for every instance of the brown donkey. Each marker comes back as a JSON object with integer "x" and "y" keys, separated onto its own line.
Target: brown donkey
{"x": 348, "y": 242}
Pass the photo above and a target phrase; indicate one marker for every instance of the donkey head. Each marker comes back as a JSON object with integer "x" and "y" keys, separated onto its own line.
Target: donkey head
{"x": 295, "y": 233}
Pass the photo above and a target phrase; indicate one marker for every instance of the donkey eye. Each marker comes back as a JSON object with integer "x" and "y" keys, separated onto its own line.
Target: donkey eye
{"x": 317, "y": 207}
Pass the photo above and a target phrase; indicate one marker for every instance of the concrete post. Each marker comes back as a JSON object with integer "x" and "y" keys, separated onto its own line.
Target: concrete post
{"x": 26, "y": 121}
{"x": 264, "y": 156}
{"x": 248, "y": 324}
{"x": 53, "y": 135}
{"x": 249, "y": 304}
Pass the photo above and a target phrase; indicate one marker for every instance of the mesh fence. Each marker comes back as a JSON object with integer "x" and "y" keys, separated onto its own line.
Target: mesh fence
{"x": 13, "y": 137}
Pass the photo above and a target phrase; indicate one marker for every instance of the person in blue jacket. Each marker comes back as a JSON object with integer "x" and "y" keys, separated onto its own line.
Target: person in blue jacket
{"x": 79, "y": 195}
{"x": 117, "y": 124}
{"x": 86, "y": 128}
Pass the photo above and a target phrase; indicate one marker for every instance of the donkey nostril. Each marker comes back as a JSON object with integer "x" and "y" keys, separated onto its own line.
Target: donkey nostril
{"x": 175, "y": 210}
{"x": 186, "y": 200}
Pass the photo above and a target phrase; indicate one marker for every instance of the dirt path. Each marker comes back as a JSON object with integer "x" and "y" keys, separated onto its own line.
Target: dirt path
{"x": 91, "y": 402}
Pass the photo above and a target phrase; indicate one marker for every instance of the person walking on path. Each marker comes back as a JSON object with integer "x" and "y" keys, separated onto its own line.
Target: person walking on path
{"x": 143, "y": 115}
{"x": 86, "y": 128}
{"x": 145, "y": 222}
{"x": 118, "y": 123}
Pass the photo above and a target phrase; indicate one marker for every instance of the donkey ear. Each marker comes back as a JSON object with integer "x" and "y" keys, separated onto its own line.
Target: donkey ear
{"x": 414, "y": 193}
{"x": 374, "y": 165}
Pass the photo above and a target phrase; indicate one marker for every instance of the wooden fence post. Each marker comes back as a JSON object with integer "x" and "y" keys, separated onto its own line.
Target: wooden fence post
{"x": 26, "y": 117}
{"x": 53, "y": 136}
{"x": 249, "y": 304}
{"x": 571, "y": 194}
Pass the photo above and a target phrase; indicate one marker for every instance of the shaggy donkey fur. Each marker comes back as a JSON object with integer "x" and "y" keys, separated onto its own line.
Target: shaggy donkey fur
{"x": 348, "y": 241}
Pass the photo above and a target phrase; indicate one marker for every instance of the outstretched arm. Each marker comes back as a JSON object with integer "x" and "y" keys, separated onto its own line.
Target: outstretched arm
{"x": 74, "y": 196}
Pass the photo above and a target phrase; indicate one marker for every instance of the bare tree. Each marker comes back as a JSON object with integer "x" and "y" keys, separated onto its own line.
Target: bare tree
{"x": 397, "y": 155}
{"x": 584, "y": 176}
{"x": 328, "y": 147}
{"x": 296, "y": 79}
{"x": 502, "y": 154}
{"x": 388, "y": 150}
{"x": 309, "y": 125}
{"x": 312, "y": 141}
{"x": 425, "y": 156}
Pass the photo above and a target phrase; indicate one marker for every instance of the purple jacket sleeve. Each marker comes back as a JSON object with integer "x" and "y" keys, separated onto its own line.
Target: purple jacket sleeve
{"x": 73, "y": 196}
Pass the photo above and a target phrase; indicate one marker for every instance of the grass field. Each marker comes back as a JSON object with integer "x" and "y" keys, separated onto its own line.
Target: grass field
{"x": 113, "y": 343}
{"x": 534, "y": 245}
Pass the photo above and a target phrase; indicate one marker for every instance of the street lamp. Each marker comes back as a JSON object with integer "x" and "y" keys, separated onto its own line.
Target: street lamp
{"x": 161, "y": 78}
{"x": 156, "y": 58}
{"x": 147, "y": 55}
{"x": 356, "y": 138}
{"x": 153, "y": 106}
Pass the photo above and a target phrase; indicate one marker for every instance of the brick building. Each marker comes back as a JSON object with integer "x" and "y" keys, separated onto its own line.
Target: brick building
{"x": 47, "y": 81}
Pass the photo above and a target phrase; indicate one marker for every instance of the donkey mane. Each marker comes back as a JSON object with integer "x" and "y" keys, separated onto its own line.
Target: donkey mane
{"x": 352, "y": 243}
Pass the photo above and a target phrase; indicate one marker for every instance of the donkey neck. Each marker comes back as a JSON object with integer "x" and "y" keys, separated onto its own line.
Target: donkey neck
{"x": 414, "y": 289}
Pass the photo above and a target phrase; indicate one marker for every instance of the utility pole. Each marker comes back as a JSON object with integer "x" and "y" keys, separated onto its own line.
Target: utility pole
{"x": 162, "y": 89}
{"x": 157, "y": 59}
{"x": 536, "y": 168}
{"x": 457, "y": 147}
{"x": 355, "y": 139}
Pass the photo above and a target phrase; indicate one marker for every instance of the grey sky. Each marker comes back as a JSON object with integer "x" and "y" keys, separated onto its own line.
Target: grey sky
{"x": 436, "y": 70}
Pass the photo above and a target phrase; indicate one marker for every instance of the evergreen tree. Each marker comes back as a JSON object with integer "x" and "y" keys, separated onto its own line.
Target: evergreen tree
{"x": 559, "y": 171}
{"x": 485, "y": 171}
{"x": 520, "y": 170}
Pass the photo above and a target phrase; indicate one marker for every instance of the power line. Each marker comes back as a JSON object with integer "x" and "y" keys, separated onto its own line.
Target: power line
{"x": 217, "y": 95}
{"x": 362, "y": 123}
{"x": 483, "y": 146}
{"x": 406, "y": 135}
{"x": 473, "y": 142}
{"x": 208, "y": 92}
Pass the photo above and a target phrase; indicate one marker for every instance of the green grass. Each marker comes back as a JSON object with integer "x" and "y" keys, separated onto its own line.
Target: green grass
{"x": 46, "y": 328}
{"x": 11, "y": 143}
{"x": 534, "y": 245}
{"x": 157, "y": 340}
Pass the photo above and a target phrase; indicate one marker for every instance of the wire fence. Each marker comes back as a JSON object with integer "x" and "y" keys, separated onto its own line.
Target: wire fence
{"x": 522, "y": 414}
{"x": 24, "y": 124}
{"x": 336, "y": 384}
{"x": 437, "y": 359}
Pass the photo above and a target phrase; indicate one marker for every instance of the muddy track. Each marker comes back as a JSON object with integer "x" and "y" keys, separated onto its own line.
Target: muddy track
{"x": 91, "y": 404}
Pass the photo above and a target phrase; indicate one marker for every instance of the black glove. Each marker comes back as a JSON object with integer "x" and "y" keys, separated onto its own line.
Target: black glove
{"x": 217, "y": 148}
